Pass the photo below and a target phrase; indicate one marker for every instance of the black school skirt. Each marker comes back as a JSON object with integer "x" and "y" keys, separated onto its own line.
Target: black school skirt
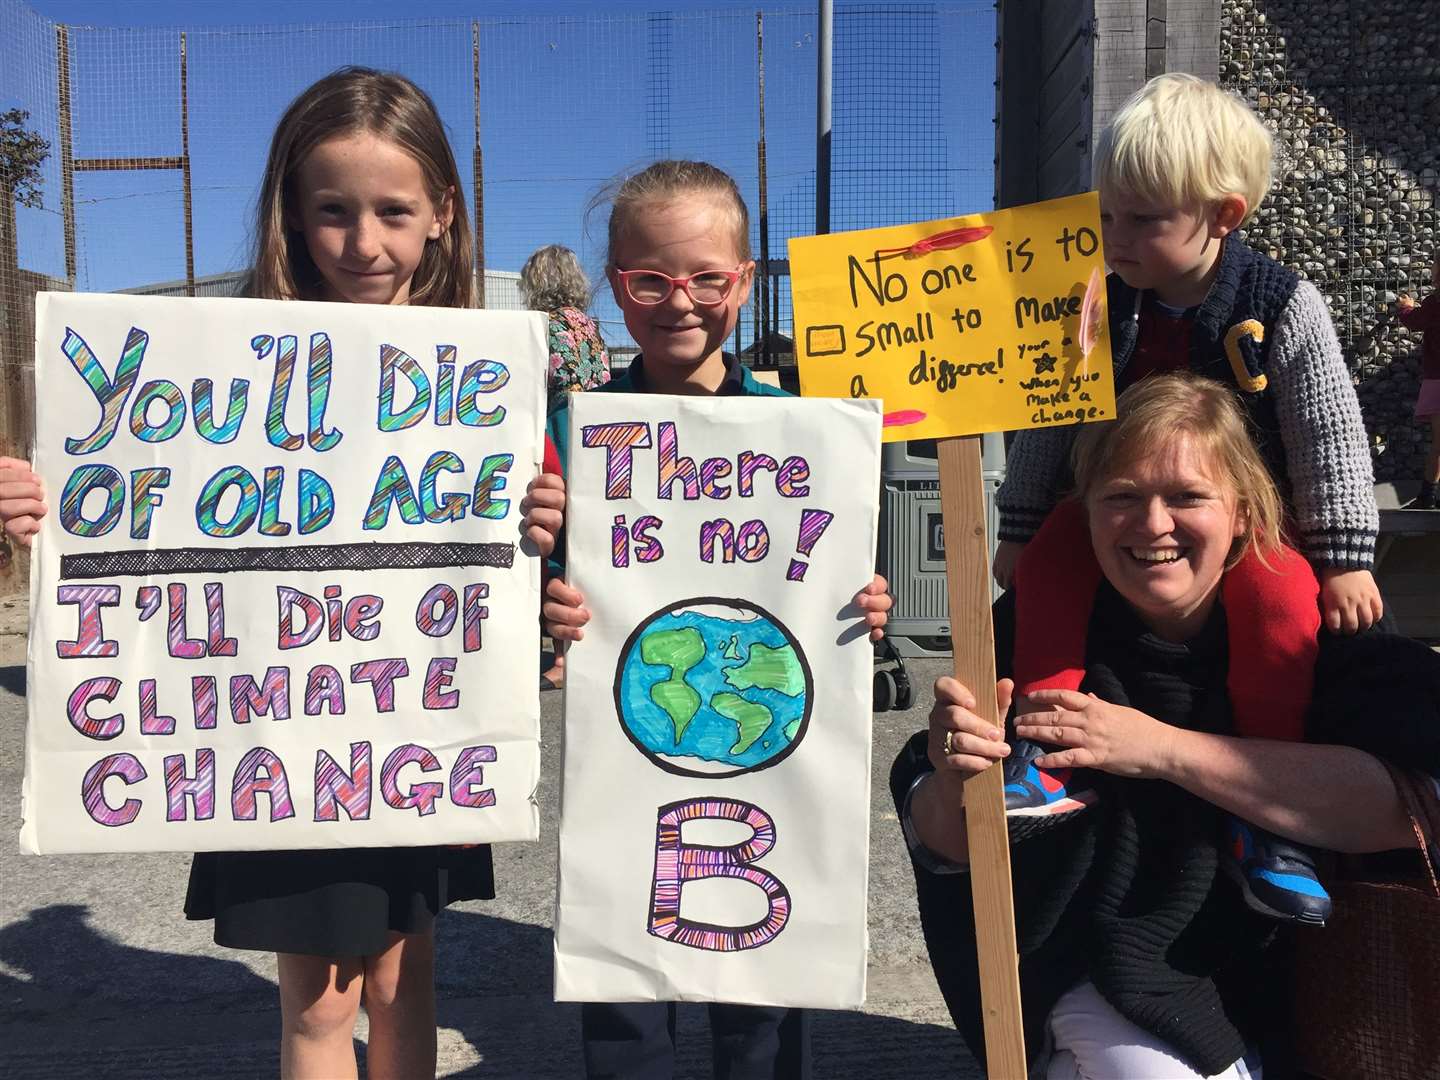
{"x": 331, "y": 903}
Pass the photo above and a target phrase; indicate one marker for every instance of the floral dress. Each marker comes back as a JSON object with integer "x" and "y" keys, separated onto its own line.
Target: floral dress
{"x": 578, "y": 357}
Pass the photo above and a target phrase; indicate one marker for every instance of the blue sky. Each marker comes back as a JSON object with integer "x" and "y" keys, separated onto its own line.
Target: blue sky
{"x": 573, "y": 93}
{"x": 277, "y": 12}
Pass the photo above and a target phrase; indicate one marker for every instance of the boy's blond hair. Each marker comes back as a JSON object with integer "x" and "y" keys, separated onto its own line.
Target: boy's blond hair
{"x": 1181, "y": 141}
{"x": 1161, "y": 412}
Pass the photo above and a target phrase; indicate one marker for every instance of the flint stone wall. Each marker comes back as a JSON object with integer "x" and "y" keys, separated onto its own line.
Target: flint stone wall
{"x": 1352, "y": 90}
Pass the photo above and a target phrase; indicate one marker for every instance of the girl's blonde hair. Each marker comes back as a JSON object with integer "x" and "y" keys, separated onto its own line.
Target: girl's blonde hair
{"x": 1161, "y": 411}
{"x": 355, "y": 100}
{"x": 667, "y": 180}
{"x": 1183, "y": 142}
{"x": 552, "y": 278}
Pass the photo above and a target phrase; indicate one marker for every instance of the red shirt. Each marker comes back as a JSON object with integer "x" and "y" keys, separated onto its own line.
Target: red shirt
{"x": 1426, "y": 317}
{"x": 1163, "y": 342}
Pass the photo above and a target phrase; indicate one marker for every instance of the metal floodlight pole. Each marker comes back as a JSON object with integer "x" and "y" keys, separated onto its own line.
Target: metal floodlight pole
{"x": 823, "y": 92}
{"x": 67, "y": 161}
{"x": 185, "y": 171}
{"x": 478, "y": 161}
{"x": 762, "y": 340}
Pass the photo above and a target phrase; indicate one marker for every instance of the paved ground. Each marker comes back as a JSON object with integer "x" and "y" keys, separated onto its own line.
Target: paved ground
{"x": 101, "y": 977}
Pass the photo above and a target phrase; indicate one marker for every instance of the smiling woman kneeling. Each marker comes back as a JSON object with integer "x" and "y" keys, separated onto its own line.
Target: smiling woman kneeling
{"x": 1139, "y": 955}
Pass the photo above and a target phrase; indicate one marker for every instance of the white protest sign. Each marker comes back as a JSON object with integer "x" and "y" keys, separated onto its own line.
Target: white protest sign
{"x": 280, "y": 599}
{"x": 715, "y": 810}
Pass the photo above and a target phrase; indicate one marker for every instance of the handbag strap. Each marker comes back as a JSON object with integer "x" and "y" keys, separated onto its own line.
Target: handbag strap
{"x": 1422, "y": 807}
{"x": 1425, "y": 856}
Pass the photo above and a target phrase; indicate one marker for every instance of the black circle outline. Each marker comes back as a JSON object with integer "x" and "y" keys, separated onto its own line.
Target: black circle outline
{"x": 728, "y": 602}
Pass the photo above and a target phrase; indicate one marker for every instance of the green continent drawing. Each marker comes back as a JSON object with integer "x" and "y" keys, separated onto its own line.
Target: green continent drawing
{"x": 750, "y": 717}
{"x": 769, "y": 669}
{"x": 679, "y": 650}
{"x": 713, "y": 687}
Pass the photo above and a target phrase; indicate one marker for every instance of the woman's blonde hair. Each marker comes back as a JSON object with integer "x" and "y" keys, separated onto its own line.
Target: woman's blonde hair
{"x": 552, "y": 278}
{"x": 1160, "y": 412}
{"x": 350, "y": 101}
{"x": 1183, "y": 142}
{"x": 665, "y": 181}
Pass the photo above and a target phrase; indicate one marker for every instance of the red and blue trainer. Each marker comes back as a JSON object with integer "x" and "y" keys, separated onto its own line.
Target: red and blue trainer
{"x": 1036, "y": 798}
{"x": 1277, "y": 877}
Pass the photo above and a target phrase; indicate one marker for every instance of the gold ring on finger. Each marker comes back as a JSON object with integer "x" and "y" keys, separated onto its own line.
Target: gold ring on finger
{"x": 950, "y": 746}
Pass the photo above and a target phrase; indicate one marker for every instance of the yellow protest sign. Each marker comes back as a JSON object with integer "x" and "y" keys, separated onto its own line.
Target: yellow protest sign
{"x": 990, "y": 322}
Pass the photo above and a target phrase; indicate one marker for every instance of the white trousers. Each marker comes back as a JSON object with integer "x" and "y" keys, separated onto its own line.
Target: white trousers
{"x": 1094, "y": 1042}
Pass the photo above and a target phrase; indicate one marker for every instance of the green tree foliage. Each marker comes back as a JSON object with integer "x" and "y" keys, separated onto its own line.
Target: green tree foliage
{"x": 22, "y": 152}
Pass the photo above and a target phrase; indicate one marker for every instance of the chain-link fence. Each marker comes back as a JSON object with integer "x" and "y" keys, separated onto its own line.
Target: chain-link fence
{"x": 136, "y": 159}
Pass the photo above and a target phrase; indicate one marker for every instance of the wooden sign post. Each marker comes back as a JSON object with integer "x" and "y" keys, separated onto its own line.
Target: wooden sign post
{"x": 972, "y": 639}
{"x": 991, "y": 322}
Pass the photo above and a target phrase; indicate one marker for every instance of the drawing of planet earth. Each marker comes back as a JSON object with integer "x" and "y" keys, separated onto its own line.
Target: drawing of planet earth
{"x": 713, "y": 687}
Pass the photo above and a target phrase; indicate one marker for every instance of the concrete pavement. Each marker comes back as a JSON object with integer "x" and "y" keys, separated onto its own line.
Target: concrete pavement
{"x": 101, "y": 977}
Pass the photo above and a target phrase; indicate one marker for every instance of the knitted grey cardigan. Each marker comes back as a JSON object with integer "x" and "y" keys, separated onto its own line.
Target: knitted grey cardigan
{"x": 1306, "y": 418}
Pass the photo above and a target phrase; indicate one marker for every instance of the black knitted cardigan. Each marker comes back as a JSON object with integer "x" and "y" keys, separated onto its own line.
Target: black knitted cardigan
{"x": 1247, "y": 286}
{"x": 1129, "y": 894}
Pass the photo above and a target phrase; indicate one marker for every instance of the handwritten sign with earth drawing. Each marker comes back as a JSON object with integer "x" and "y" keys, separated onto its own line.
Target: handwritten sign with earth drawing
{"x": 691, "y": 688}
{"x": 991, "y": 322}
{"x": 714, "y": 823}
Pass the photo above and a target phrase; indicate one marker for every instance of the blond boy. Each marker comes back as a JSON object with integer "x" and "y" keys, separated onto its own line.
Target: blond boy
{"x": 1184, "y": 165}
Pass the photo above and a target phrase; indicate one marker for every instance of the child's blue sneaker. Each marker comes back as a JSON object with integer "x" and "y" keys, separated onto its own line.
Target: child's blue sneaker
{"x": 1037, "y": 798}
{"x": 1277, "y": 877}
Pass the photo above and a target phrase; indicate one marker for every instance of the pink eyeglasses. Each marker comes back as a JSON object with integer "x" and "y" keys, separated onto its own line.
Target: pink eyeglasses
{"x": 651, "y": 287}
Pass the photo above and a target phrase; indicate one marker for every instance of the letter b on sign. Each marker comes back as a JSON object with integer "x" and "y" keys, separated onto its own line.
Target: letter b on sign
{"x": 677, "y": 862}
